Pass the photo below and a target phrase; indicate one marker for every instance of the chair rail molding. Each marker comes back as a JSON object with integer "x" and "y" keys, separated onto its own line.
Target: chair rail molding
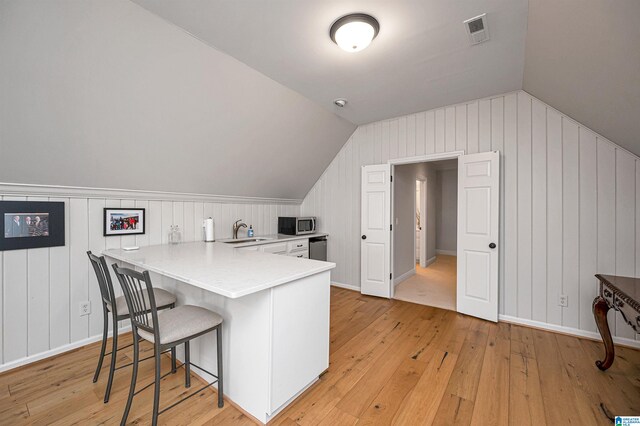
{"x": 132, "y": 194}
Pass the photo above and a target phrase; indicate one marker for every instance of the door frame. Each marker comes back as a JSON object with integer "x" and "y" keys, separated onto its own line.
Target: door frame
{"x": 422, "y": 258}
{"x": 412, "y": 160}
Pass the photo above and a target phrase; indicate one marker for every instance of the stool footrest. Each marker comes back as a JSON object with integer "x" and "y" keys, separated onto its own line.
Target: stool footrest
{"x": 202, "y": 369}
{"x": 143, "y": 359}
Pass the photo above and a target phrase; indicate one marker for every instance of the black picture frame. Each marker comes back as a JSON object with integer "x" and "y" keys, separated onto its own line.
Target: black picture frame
{"x": 38, "y": 224}
{"x": 128, "y": 228}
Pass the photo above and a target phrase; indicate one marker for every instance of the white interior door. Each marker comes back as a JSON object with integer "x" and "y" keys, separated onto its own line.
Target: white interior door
{"x": 375, "y": 243}
{"x": 478, "y": 227}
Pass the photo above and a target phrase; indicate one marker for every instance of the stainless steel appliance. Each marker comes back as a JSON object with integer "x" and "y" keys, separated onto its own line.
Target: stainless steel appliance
{"x": 296, "y": 225}
{"x": 318, "y": 248}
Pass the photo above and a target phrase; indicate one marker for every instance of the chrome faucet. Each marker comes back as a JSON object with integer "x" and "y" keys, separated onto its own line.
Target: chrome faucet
{"x": 236, "y": 228}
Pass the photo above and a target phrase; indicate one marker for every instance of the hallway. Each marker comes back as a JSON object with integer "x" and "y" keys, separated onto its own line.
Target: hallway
{"x": 431, "y": 286}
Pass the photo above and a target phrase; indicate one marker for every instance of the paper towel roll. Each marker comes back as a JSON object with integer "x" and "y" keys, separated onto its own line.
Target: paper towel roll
{"x": 209, "y": 232}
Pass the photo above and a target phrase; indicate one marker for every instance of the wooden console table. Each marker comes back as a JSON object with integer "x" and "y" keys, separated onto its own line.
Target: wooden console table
{"x": 623, "y": 295}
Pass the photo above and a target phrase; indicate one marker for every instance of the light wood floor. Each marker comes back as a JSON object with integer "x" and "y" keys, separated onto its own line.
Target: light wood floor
{"x": 392, "y": 362}
{"x": 434, "y": 285}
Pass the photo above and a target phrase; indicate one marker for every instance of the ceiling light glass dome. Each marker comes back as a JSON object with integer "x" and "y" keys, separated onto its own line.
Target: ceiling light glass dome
{"x": 354, "y": 32}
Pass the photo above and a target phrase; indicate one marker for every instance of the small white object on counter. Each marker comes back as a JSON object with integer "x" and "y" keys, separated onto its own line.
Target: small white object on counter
{"x": 209, "y": 230}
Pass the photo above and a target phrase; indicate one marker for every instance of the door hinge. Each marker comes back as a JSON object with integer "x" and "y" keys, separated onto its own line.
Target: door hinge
{"x": 390, "y": 276}
{"x": 391, "y": 178}
{"x": 390, "y": 227}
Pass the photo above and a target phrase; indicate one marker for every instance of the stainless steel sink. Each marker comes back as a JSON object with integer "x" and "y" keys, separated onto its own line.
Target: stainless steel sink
{"x": 244, "y": 240}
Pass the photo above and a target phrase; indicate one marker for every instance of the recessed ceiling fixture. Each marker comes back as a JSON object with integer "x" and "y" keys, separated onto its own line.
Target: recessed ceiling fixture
{"x": 354, "y": 32}
{"x": 340, "y": 102}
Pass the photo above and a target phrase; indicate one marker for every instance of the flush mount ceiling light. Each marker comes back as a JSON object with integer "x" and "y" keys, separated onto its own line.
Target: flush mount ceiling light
{"x": 354, "y": 32}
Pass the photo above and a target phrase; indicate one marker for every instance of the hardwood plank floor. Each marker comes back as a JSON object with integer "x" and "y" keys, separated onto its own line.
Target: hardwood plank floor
{"x": 392, "y": 362}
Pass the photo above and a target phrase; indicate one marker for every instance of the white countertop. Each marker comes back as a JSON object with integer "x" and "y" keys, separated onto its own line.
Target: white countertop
{"x": 218, "y": 268}
{"x": 272, "y": 238}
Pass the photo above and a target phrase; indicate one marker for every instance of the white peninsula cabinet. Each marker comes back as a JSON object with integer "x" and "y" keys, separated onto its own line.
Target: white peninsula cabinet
{"x": 275, "y": 309}
{"x": 287, "y": 245}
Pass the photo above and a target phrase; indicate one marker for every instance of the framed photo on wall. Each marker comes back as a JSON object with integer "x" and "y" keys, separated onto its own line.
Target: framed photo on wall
{"x": 31, "y": 224}
{"x": 124, "y": 221}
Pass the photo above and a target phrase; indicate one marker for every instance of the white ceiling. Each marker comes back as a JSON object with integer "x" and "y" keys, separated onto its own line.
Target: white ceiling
{"x": 421, "y": 58}
{"x": 583, "y": 58}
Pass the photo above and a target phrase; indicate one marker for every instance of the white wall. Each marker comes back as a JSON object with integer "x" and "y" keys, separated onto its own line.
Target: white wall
{"x": 447, "y": 210}
{"x": 404, "y": 197}
{"x": 42, "y": 288}
{"x": 571, "y": 200}
{"x": 404, "y": 194}
{"x": 104, "y": 94}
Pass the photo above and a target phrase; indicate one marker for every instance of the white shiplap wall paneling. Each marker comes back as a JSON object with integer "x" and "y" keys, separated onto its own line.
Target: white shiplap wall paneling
{"x": 539, "y": 211}
{"x": 524, "y": 209}
{"x": 625, "y": 220}
{"x": 497, "y": 144}
{"x": 38, "y": 296}
{"x": 588, "y": 223}
{"x": 473, "y": 141}
{"x": 97, "y": 243}
{"x": 461, "y": 136}
{"x": 606, "y": 176}
{"x": 569, "y": 202}
{"x": 15, "y": 299}
{"x": 78, "y": 245}
{"x": 42, "y": 288}
{"x": 59, "y": 286}
{"x": 570, "y": 222}
{"x": 554, "y": 216}
{"x": 511, "y": 205}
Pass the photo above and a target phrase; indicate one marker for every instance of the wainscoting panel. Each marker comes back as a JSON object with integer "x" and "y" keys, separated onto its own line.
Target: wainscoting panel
{"x": 570, "y": 200}
{"x": 42, "y": 288}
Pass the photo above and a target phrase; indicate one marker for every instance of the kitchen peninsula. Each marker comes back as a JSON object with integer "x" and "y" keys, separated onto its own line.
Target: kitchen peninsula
{"x": 275, "y": 310}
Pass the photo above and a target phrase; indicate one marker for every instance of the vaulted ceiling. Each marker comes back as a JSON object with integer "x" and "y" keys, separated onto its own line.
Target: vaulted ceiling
{"x": 583, "y": 58}
{"x": 580, "y": 56}
{"x": 421, "y": 58}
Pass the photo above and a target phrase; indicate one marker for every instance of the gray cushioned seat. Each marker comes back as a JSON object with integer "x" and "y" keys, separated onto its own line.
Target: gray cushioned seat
{"x": 163, "y": 299}
{"x": 182, "y": 322}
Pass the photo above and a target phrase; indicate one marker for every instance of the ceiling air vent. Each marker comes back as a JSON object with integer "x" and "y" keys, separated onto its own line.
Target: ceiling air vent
{"x": 477, "y": 29}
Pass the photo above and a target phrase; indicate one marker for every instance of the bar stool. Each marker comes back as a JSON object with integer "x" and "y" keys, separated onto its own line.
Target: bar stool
{"x": 166, "y": 329}
{"x": 119, "y": 311}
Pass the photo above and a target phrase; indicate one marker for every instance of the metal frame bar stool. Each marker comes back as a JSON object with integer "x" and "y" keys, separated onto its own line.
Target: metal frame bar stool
{"x": 165, "y": 330}
{"x": 117, "y": 307}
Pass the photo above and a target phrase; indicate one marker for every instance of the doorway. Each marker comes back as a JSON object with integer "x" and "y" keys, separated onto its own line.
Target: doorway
{"x": 425, "y": 235}
{"x": 478, "y": 232}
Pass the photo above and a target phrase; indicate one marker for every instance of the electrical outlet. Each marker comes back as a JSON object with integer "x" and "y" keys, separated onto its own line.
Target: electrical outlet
{"x": 85, "y": 308}
{"x": 563, "y": 300}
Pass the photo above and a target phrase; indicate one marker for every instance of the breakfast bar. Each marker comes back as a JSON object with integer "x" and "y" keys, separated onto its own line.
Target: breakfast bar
{"x": 275, "y": 310}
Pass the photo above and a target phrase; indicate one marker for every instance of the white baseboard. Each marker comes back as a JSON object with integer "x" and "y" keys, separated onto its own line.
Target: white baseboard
{"x": 567, "y": 330}
{"x": 447, "y": 252}
{"x": 56, "y": 351}
{"x": 404, "y": 276}
{"x": 429, "y": 261}
{"x": 346, "y": 286}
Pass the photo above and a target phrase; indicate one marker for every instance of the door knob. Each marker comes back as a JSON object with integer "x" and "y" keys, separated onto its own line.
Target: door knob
{"x": 364, "y": 237}
{"x": 492, "y": 245}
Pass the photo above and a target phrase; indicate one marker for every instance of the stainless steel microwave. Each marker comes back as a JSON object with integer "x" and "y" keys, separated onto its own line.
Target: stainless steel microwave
{"x": 296, "y": 225}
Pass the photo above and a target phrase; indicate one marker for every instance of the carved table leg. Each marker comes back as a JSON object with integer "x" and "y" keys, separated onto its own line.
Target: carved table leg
{"x": 600, "y": 309}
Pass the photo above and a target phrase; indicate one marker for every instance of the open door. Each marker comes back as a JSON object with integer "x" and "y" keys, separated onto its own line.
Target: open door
{"x": 478, "y": 232}
{"x": 423, "y": 223}
{"x": 375, "y": 243}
